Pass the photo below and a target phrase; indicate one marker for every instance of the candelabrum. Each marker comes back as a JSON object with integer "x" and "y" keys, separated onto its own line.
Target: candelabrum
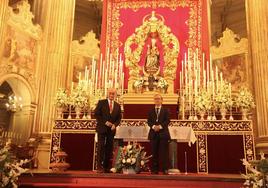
{"x": 200, "y": 83}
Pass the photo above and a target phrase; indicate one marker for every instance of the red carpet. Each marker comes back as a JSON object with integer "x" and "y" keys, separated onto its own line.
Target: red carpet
{"x": 90, "y": 179}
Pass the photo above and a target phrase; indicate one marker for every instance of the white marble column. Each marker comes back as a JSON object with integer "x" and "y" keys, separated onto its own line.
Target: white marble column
{"x": 257, "y": 14}
{"x": 57, "y": 22}
{"x": 56, "y": 19}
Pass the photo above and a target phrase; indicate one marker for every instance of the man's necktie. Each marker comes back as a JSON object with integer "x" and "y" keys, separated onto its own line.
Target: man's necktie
{"x": 157, "y": 113}
{"x": 111, "y": 106}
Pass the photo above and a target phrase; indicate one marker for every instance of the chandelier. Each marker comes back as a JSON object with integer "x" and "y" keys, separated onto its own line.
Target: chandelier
{"x": 14, "y": 103}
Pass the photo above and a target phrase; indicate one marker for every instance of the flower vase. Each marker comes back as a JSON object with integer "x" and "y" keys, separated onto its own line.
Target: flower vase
{"x": 223, "y": 113}
{"x": 70, "y": 112}
{"x": 138, "y": 90}
{"x": 129, "y": 171}
{"x": 244, "y": 114}
{"x": 163, "y": 90}
{"x": 84, "y": 115}
{"x": 77, "y": 112}
{"x": 60, "y": 112}
{"x": 202, "y": 114}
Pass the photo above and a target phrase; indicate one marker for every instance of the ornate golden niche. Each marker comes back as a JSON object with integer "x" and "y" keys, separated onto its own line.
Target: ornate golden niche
{"x": 82, "y": 52}
{"x": 152, "y": 27}
{"x": 231, "y": 57}
{"x": 22, "y": 44}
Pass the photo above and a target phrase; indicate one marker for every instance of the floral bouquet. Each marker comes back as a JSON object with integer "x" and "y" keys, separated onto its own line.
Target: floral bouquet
{"x": 78, "y": 97}
{"x": 162, "y": 83}
{"x": 203, "y": 101}
{"x": 61, "y": 98}
{"x": 258, "y": 172}
{"x": 10, "y": 168}
{"x": 244, "y": 99}
{"x": 223, "y": 98}
{"x": 132, "y": 157}
{"x": 138, "y": 84}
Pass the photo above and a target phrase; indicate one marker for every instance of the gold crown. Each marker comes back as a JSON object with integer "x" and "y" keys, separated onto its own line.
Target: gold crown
{"x": 153, "y": 21}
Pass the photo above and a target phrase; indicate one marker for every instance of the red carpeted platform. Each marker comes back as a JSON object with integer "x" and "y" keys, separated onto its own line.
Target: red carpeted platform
{"x": 143, "y": 180}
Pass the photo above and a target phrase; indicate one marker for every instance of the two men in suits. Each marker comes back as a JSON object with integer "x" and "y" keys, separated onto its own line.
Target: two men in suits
{"x": 108, "y": 116}
{"x": 158, "y": 121}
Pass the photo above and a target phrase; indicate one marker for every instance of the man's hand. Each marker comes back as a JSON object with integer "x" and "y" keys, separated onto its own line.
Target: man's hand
{"x": 113, "y": 127}
{"x": 156, "y": 128}
{"x": 108, "y": 123}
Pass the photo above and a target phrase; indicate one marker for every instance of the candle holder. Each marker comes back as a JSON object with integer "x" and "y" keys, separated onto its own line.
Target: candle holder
{"x": 195, "y": 115}
{"x": 231, "y": 118}
{"x": 84, "y": 114}
{"x": 209, "y": 116}
{"x": 70, "y": 112}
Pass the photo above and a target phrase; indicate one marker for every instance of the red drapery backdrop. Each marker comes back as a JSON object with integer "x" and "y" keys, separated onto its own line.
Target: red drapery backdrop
{"x": 187, "y": 20}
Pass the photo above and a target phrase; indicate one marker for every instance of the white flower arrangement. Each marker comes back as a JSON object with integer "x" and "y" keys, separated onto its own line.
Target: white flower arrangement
{"x": 61, "y": 98}
{"x": 10, "y": 168}
{"x": 78, "y": 97}
{"x": 244, "y": 99}
{"x": 203, "y": 101}
{"x": 138, "y": 84}
{"x": 257, "y": 173}
{"x": 223, "y": 98}
{"x": 162, "y": 83}
{"x": 131, "y": 156}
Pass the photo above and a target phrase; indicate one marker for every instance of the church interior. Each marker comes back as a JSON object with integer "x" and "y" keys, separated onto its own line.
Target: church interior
{"x": 204, "y": 60}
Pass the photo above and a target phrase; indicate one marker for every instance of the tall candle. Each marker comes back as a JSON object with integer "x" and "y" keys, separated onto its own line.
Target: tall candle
{"x": 207, "y": 71}
{"x": 103, "y": 74}
{"x": 203, "y": 62}
{"x": 210, "y": 63}
{"x": 123, "y": 77}
{"x": 217, "y": 81}
{"x": 204, "y": 81}
{"x": 182, "y": 73}
{"x": 100, "y": 70}
{"x": 180, "y": 81}
{"x": 96, "y": 82}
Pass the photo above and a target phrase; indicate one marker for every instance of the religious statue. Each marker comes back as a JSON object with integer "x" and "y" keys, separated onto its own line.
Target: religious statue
{"x": 152, "y": 64}
{"x": 154, "y": 33}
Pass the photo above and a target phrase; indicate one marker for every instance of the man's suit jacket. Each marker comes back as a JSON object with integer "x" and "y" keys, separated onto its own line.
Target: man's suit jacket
{"x": 163, "y": 120}
{"x": 102, "y": 115}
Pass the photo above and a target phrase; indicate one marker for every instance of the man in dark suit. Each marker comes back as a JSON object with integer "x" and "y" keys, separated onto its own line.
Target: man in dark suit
{"x": 108, "y": 116}
{"x": 158, "y": 120}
